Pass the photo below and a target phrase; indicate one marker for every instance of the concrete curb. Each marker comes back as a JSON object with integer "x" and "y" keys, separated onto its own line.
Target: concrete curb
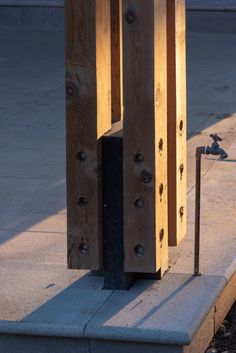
{"x": 124, "y": 313}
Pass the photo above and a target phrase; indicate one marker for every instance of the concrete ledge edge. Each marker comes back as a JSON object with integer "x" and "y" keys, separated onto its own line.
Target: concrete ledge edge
{"x": 67, "y": 331}
{"x": 36, "y": 329}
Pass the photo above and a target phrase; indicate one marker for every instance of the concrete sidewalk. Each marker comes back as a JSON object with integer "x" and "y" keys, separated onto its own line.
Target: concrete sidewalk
{"x": 211, "y": 5}
{"x": 40, "y": 297}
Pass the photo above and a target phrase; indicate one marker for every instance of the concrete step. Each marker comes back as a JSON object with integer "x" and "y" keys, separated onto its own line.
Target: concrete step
{"x": 179, "y": 314}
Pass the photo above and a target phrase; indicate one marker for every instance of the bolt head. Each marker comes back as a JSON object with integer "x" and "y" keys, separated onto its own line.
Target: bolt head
{"x": 69, "y": 91}
{"x": 130, "y": 17}
{"x": 139, "y": 158}
{"x": 84, "y": 248}
{"x": 139, "y": 203}
{"x": 82, "y": 202}
{"x": 81, "y": 156}
{"x": 139, "y": 250}
{"x": 146, "y": 177}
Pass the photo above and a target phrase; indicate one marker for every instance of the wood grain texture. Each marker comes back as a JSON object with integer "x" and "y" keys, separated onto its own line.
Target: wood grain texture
{"x": 145, "y": 136}
{"x": 88, "y": 105}
{"x": 116, "y": 60}
{"x": 176, "y": 93}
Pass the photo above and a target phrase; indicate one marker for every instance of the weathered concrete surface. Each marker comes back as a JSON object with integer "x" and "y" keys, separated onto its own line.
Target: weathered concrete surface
{"x": 40, "y": 297}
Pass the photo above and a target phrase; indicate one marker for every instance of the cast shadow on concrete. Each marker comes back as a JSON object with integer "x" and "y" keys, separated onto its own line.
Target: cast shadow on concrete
{"x": 166, "y": 300}
{"x": 32, "y": 135}
{"x": 77, "y": 304}
{"x": 223, "y": 161}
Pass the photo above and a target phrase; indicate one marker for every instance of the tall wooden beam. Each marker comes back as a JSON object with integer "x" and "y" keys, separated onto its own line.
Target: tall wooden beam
{"x": 145, "y": 136}
{"x": 116, "y": 60}
{"x": 176, "y": 49}
{"x": 88, "y": 88}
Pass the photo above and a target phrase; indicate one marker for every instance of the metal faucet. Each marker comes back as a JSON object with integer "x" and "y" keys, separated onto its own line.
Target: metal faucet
{"x": 215, "y": 150}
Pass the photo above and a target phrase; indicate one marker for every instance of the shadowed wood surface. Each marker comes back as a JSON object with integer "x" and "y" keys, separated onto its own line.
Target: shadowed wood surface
{"x": 116, "y": 60}
{"x": 88, "y": 80}
{"x": 177, "y": 169}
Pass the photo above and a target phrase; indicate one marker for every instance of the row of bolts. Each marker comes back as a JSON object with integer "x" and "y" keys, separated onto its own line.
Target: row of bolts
{"x": 139, "y": 203}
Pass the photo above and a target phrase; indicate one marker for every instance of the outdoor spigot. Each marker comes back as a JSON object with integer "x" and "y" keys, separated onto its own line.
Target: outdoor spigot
{"x": 215, "y": 148}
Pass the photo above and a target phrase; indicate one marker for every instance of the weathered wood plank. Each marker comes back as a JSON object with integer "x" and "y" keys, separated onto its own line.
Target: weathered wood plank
{"x": 88, "y": 88}
{"x": 176, "y": 68}
{"x": 145, "y": 136}
{"x": 116, "y": 60}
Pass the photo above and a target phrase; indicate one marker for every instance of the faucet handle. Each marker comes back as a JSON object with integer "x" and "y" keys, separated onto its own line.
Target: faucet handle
{"x": 216, "y": 138}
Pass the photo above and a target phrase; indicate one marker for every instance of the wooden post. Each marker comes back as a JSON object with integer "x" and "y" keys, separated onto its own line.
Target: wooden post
{"x": 176, "y": 44}
{"x": 88, "y": 88}
{"x": 145, "y": 136}
{"x": 116, "y": 60}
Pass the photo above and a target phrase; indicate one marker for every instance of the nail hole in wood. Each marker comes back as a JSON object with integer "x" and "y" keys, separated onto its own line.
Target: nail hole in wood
{"x": 161, "y": 143}
{"x": 161, "y": 189}
{"x": 161, "y": 235}
{"x": 181, "y": 168}
{"x": 181, "y": 212}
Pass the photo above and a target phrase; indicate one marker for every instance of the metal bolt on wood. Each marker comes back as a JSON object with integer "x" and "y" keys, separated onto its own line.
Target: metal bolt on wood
{"x": 130, "y": 17}
{"x": 146, "y": 177}
{"x": 81, "y": 156}
{"x": 139, "y": 158}
{"x": 139, "y": 203}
